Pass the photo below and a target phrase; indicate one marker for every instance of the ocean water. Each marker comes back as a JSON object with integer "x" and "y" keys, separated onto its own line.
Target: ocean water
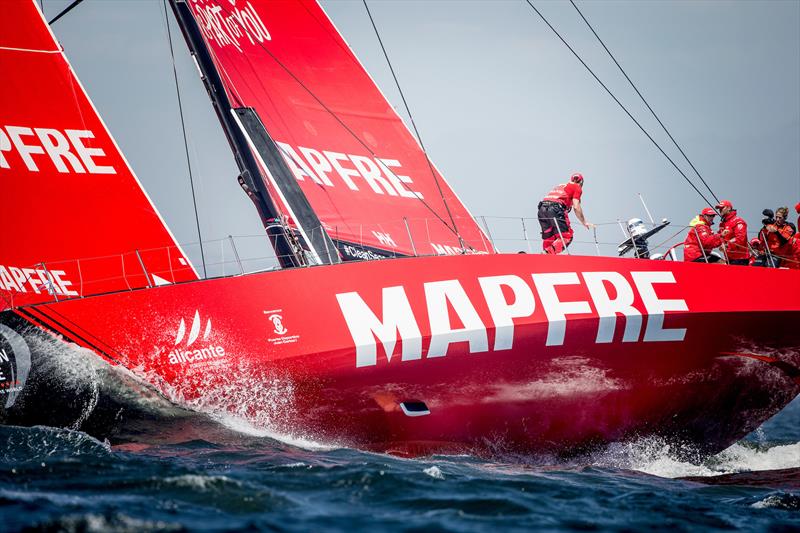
{"x": 200, "y": 471}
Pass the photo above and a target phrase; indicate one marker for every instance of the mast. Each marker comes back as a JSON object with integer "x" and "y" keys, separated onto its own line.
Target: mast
{"x": 251, "y": 144}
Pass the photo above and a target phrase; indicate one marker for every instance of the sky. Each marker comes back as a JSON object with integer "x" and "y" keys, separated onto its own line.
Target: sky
{"x": 503, "y": 108}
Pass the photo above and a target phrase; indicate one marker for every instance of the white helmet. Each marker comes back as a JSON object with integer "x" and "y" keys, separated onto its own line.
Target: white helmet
{"x": 636, "y": 227}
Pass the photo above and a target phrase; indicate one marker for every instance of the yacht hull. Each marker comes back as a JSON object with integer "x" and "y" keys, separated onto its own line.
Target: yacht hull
{"x": 478, "y": 354}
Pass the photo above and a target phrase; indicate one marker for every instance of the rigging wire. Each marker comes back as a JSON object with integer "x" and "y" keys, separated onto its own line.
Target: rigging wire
{"x": 185, "y": 141}
{"x": 620, "y": 104}
{"x": 644, "y": 100}
{"x": 413, "y": 124}
{"x": 63, "y": 12}
{"x": 341, "y": 122}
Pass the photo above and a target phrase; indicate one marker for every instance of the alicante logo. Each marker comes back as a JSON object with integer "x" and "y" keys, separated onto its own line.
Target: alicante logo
{"x": 15, "y": 364}
{"x": 188, "y": 355}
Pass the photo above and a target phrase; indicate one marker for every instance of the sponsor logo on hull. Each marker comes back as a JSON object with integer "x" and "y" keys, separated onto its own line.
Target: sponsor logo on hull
{"x": 611, "y": 294}
{"x": 279, "y": 332}
{"x": 205, "y": 354}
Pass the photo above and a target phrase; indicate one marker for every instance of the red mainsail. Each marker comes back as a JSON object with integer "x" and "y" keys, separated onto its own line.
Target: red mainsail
{"x": 74, "y": 219}
{"x": 364, "y": 174}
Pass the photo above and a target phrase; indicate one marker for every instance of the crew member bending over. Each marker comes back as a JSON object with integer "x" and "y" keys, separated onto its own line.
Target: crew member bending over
{"x": 702, "y": 239}
{"x": 556, "y": 230}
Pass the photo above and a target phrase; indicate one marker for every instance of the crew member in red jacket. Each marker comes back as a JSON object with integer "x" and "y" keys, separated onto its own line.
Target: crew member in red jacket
{"x": 795, "y": 243}
{"x": 778, "y": 235}
{"x": 702, "y": 239}
{"x": 797, "y": 209}
{"x": 794, "y": 246}
{"x": 733, "y": 230}
{"x": 556, "y": 230}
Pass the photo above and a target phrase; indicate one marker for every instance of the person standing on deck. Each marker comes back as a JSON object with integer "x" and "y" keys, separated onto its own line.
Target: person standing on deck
{"x": 795, "y": 244}
{"x": 553, "y": 214}
{"x": 777, "y": 234}
{"x": 701, "y": 239}
{"x": 797, "y": 210}
{"x": 733, "y": 230}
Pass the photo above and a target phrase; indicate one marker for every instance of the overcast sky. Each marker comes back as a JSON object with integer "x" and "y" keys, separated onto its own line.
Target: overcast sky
{"x": 503, "y": 107}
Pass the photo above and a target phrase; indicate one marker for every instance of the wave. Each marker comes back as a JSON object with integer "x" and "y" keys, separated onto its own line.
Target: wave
{"x": 125, "y": 405}
{"x": 659, "y": 457}
{"x": 19, "y": 445}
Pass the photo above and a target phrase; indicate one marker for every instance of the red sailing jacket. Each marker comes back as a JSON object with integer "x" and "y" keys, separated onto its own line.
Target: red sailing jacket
{"x": 564, "y": 194}
{"x": 794, "y": 247}
{"x": 736, "y": 241}
{"x": 707, "y": 238}
{"x": 779, "y": 241}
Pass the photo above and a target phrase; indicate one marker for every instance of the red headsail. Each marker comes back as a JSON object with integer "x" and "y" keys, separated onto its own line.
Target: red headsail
{"x": 74, "y": 219}
{"x": 363, "y": 172}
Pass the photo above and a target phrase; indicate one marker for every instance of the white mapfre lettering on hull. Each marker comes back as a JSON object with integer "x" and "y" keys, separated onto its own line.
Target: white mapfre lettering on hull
{"x": 65, "y": 150}
{"x": 438, "y": 295}
{"x": 396, "y": 319}
{"x": 655, "y": 306}
{"x": 503, "y": 313}
{"x": 609, "y": 308}
{"x": 555, "y": 309}
{"x": 365, "y": 326}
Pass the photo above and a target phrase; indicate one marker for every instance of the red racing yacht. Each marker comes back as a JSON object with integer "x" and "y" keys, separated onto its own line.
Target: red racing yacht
{"x": 392, "y": 323}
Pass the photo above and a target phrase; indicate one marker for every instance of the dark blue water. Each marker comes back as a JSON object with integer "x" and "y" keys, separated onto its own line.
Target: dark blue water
{"x": 225, "y": 476}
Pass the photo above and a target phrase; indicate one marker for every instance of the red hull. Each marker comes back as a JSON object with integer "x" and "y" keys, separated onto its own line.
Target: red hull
{"x": 300, "y": 373}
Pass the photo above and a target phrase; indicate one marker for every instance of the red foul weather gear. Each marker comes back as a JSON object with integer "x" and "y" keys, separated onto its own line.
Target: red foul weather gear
{"x": 797, "y": 209}
{"x": 564, "y": 194}
{"x": 701, "y": 238}
{"x": 793, "y": 262}
{"x": 556, "y": 230}
{"x": 778, "y": 240}
{"x": 736, "y": 241}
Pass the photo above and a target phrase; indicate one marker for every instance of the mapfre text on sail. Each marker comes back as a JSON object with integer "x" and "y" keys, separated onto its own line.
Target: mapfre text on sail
{"x": 44, "y": 148}
{"x": 71, "y": 150}
{"x": 382, "y": 176}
